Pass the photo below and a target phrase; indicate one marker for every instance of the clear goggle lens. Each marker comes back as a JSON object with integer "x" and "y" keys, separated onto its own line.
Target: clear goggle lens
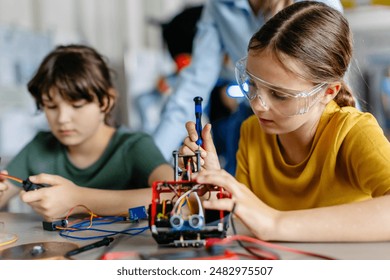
{"x": 285, "y": 102}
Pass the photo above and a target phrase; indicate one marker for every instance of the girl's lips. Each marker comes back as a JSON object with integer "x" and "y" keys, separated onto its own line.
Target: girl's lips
{"x": 265, "y": 121}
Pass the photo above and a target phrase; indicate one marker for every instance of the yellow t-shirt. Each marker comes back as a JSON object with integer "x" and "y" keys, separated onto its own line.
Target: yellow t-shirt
{"x": 349, "y": 161}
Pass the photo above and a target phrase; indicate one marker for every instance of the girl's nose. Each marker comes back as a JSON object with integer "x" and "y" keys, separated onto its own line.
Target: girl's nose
{"x": 259, "y": 103}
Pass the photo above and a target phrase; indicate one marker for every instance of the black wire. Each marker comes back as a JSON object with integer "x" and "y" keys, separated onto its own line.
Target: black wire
{"x": 115, "y": 242}
{"x": 247, "y": 249}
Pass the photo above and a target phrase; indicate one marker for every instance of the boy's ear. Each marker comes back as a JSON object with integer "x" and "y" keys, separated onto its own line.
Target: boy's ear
{"x": 109, "y": 101}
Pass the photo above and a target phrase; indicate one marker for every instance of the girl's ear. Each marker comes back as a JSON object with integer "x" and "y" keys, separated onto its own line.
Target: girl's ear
{"x": 331, "y": 91}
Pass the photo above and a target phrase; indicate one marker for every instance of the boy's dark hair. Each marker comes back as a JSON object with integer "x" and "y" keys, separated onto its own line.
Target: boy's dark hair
{"x": 75, "y": 72}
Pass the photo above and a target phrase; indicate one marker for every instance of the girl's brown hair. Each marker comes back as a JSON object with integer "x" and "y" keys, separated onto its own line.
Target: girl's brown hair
{"x": 317, "y": 36}
{"x": 76, "y": 72}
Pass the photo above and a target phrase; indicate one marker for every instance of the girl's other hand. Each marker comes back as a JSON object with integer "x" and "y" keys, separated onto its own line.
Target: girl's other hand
{"x": 254, "y": 213}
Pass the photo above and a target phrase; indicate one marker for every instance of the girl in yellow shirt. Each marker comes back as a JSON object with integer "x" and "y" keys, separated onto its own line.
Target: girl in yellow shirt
{"x": 311, "y": 167}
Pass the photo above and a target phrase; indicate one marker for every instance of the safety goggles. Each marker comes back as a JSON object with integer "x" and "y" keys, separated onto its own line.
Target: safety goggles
{"x": 284, "y": 101}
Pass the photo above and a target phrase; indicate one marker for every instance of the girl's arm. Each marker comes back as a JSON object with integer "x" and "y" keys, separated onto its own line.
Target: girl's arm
{"x": 359, "y": 221}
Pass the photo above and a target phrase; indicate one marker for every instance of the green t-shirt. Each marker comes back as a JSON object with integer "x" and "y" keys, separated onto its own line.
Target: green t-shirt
{"x": 126, "y": 163}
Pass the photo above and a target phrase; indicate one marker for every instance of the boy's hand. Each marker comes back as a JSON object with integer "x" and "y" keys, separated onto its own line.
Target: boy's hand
{"x": 3, "y": 185}
{"x": 52, "y": 203}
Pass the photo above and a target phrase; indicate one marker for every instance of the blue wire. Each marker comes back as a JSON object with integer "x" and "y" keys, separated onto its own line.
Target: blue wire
{"x": 109, "y": 233}
{"x": 100, "y": 221}
{"x": 78, "y": 227}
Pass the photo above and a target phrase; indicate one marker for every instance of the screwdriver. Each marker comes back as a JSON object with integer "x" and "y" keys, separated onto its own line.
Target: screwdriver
{"x": 198, "y": 115}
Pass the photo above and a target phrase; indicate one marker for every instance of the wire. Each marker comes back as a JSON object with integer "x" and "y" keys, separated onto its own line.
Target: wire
{"x": 91, "y": 214}
{"x": 108, "y": 255}
{"x": 201, "y": 213}
{"x": 179, "y": 200}
{"x": 106, "y": 233}
{"x": 80, "y": 227}
{"x": 172, "y": 188}
{"x": 249, "y": 249}
{"x": 12, "y": 178}
{"x": 261, "y": 252}
{"x": 271, "y": 245}
{"x": 9, "y": 237}
{"x": 184, "y": 198}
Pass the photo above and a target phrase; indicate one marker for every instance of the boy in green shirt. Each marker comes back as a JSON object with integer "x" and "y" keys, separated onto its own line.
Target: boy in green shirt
{"x": 102, "y": 167}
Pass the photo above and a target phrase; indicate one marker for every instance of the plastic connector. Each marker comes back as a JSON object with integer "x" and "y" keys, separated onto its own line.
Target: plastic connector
{"x": 30, "y": 186}
{"x": 137, "y": 213}
{"x": 53, "y": 226}
{"x": 213, "y": 241}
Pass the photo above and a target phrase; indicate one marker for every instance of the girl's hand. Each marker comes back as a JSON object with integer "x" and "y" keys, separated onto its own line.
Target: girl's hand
{"x": 209, "y": 157}
{"x": 255, "y": 214}
{"x": 53, "y": 202}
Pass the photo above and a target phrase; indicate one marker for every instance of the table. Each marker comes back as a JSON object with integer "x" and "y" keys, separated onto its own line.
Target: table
{"x": 28, "y": 228}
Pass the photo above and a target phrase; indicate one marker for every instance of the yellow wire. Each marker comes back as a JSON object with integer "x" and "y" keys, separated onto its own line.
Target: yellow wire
{"x": 163, "y": 208}
{"x": 92, "y": 215}
{"x": 9, "y": 241}
{"x": 189, "y": 205}
{"x": 180, "y": 205}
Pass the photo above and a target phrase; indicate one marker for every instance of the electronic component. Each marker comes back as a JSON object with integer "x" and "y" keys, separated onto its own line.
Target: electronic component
{"x": 26, "y": 184}
{"x": 174, "y": 218}
{"x": 30, "y": 186}
{"x": 137, "y": 213}
{"x": 53, "y": 226}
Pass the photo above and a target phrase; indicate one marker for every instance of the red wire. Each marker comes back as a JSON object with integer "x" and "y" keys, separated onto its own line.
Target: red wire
{"x": 265, "y": 244}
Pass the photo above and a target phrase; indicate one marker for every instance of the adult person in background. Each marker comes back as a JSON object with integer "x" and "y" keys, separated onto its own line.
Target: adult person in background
{"x": 225, "y": 28}
{"x": 177, "y": 35}
{"x": 84, "y": 158}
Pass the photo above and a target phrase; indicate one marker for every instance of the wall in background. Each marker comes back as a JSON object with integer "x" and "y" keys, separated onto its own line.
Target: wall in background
{"x": 368, "y": 70}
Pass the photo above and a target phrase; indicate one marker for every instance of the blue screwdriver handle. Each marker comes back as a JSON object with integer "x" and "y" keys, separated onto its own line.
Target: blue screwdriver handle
{"x": 198, "y": 115}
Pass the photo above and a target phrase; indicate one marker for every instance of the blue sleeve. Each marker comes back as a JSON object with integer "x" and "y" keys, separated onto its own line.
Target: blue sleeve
{"x": 198, "y": 79}
{"x": 336, "y": 4}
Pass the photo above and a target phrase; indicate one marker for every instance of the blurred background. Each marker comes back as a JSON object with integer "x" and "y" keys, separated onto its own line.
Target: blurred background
{"x": 128, "y": 33}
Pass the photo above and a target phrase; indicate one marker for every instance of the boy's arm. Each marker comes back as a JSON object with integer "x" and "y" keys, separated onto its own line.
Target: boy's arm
{"x": 54, "y": 202}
